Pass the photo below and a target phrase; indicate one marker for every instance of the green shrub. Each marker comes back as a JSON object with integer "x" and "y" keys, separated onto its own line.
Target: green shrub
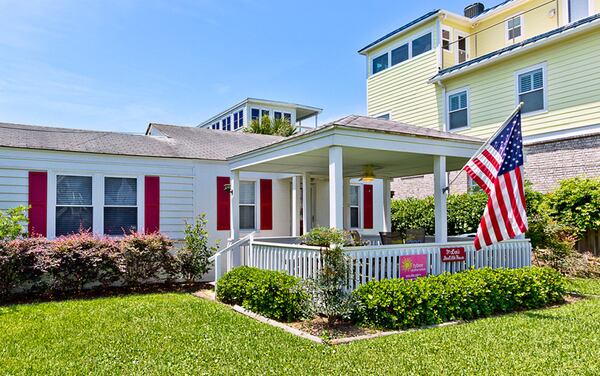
{"x": 13, "y": 223}
{"x": 576, "y": 204}
{"x": 270, "y": 293}
{"x": 401, "y": 304}
{"x": 193, "y": 258}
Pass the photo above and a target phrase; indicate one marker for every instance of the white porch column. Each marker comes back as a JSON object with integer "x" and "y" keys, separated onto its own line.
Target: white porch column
{"x": 235, "y": 205}
{"x": 295, "y": 207}
{"x": 306, "y": 195}
{"x": 336, "y": 188}
{"x": 387, "y": 205}
{"x": 439, "y": 183}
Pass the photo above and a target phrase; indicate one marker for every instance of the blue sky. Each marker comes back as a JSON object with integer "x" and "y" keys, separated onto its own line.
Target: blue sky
{"x": 120, "y": 65}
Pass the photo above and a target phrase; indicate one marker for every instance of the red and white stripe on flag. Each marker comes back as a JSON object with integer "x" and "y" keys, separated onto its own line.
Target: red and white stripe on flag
{"x": 504, "y": 216}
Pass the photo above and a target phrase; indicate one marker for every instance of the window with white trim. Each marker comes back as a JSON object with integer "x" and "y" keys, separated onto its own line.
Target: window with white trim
{"x": 403, "y": 52}
{"x": 380, "y": 63}
{"x": 120, "y": 206}
{"x": 400, "y": 54}
{"x": 247, "y": 205}
{"x": 264, "y": 113}
{"x": 238, "y": 119}
{"x": 421, "y": 44}
{"x": 446, "y": 38}
{"x": 578, "y": 9}
{"x": 215, "y": 125}
{"x": 514, "y": 27}
{"x": 458, "y": 111}
{"x": 226, "y": 123}
{"x": 74, "y": 207}
{"x": 531, "y": 90}
{"x": 287, "y": 116}
{"x": 255, "y": 112}
{"x": 354, "y": 206}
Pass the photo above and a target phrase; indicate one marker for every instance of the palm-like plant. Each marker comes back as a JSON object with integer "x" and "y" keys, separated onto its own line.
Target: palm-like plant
{"x": 278, "y": 127}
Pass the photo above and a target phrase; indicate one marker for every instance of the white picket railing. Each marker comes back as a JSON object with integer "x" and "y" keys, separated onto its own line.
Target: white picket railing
{"x": 383, "y": 262}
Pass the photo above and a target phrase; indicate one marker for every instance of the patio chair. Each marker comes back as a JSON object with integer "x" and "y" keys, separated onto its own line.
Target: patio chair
{"x": 391, "y": 238}
{"x": 415, "y": 235}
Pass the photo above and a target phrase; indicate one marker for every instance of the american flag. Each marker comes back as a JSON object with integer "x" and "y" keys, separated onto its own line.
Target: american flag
{"x": 498, "y": 171}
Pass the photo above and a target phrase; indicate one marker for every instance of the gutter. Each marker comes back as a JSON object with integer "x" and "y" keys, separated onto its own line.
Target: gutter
{"x": 516, "y": 51}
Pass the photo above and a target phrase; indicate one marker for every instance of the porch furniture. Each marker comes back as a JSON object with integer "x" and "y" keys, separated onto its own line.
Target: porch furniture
{"x": 415, "y": 235}
{"x": 358, "y": 240}
{"x": 392, "y": 237}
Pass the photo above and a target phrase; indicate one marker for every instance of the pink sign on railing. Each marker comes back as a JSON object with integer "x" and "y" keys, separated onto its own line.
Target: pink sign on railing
{"x": 413, "y": 266}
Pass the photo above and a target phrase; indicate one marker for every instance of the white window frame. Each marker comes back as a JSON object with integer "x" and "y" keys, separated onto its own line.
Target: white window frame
{"x": 137, "y": 200}
{"x": 544, "y": 67}
{"x": 448, "y": 95}
{"x": 359, "y": 207}
{"x": 521, "y": 25}
{"x": 465, "y": 36}
{"x": 52, "y": 208}
{"x": 389, "y": 49}
{"x": 97, "y": 199}
{"x": 255, "y": 205}
{"x": 450, "y": 32}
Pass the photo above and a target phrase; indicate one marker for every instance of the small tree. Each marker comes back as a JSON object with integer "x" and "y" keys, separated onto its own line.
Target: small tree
{"x": 13, "y": 223}
{"x": 194, "y": 257}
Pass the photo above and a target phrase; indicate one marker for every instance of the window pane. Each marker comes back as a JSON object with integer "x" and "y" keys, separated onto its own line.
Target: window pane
{"x": 247, "y": 192}
{"x": 73, "y": 190}
{"x": 277, "y": 115}
{"x": 578, "y": 9}
{"x": 120, "y": 191}
{"x": 463, "y": 99}
{"x": 421, "y": 44}
{"x": 458, "y": 101}
{"x": 458, "y": 119}
{"x": 533, "y": 101}
{"x": 384, "y": 117}
{"x": 120, "y": 221}
{"x": 354, "y": 217}
{"x": 538, "y": 79}
{"x": 287, "y": 116}
{"x": 241, "y": 117}
{"x": 264, "y": 113}
{"x": 255, "y": 114}
{"x": 247, "y": 218}
{"x": 400, "y": 54}
{"x": 380, "y": 63}
{"x": 69, "y": 220}
{"x": 354, "y": 195}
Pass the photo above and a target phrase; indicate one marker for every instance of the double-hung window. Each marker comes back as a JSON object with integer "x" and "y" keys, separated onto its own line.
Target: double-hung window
{"x": 247, "y": 205}
{"x": 458, "y": 116}
{"x": 530, "y": 85}
{"x": 120, "y": 206}
{"x": 354, "y": 206}
{"x": 446, "y": 36}
{"x": 514, "y": 28}
{"x": 380, "y": 63}
{"x": 74, "y": 208}
{"x": 255, "y": 114}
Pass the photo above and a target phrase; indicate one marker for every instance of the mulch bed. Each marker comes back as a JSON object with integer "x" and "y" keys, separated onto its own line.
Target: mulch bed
{"x": 153, "y": 288}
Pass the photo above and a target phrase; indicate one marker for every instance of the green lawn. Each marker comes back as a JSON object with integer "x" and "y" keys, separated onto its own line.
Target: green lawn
{"x": 181, "y": 334}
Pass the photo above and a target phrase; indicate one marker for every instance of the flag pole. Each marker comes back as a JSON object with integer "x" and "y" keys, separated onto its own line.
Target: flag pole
{"x": 517, "y": 109}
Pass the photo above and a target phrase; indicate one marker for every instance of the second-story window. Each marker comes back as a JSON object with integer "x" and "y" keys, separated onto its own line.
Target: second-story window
{"x": 215, "y": 125}
{"x": 264, "y": 113}
{"x": 287, "y": 116}
{"x": 421, "y": 45}
{"x": 458, "y": 116}
{"x": 446, "y": 35}
{"x": 238, "y": 119}
{"x": 578, "y": 9}
{"x": 380, "y": 63}
{"x": 255, "y": 114}
{"x": 226, "y": 123}
{"x": 531, "y": 90}
{"x": 400, "y": 54}
{"x": 514, "y": 28}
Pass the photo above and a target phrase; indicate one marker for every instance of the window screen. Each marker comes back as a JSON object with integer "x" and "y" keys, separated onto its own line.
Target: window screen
{"x": 74, "y": 210}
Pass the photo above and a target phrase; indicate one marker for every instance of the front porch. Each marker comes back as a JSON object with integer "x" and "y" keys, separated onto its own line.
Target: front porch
{"x": 352, "y": 149}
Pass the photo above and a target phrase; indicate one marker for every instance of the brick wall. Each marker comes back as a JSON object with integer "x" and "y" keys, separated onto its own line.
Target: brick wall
{"x": 547, "y": 164}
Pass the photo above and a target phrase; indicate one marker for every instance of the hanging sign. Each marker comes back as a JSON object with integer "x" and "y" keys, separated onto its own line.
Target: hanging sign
{"x": 450, "y": 254}
{"x": 413, "y": 266}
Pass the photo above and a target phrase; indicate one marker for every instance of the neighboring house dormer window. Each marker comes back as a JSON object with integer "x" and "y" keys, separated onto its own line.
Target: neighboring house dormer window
{"x": 458, "y": 110}
{"x": 532, "y": 89}
{"x": 514, "y": 28}
{"x": 226, "y": 123}
{"x": 215, "y": 125}
{"x": 255, "y": 114}
{"x": 238, "y": 119}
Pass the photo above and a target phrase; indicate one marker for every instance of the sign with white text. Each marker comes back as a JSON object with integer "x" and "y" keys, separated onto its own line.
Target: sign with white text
{"x": 450, "y": 254}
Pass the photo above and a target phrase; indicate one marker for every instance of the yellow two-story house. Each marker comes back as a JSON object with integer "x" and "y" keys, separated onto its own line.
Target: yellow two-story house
{"x": 467, "y": 73}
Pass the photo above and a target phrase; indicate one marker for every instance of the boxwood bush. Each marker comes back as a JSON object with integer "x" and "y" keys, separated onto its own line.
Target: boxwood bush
{"x": 273, "y": 294}
{"x": 401, "y": 304}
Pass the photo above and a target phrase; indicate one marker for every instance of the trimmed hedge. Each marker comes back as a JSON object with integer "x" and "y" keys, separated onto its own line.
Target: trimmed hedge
{"x": 402, "y": 304}
{"x": 273, "y": 294}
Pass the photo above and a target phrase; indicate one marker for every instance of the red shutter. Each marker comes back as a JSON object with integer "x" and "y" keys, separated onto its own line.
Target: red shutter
{"x": 266, "y": 204}
{"x": 223, "y": 204}
{"x": 151, "y": 204}
{"x": 368, "y": 206}
{"x": 38, "y": 202}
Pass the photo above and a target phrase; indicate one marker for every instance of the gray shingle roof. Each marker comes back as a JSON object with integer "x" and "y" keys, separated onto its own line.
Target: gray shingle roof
{"x": 177, "y": 142}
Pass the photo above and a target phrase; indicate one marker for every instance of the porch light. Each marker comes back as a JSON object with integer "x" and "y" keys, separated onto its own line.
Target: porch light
{"x": 368, "y": 173}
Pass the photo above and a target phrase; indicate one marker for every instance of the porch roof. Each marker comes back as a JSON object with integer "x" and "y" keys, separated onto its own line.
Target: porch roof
{"x": 394, "y": 149}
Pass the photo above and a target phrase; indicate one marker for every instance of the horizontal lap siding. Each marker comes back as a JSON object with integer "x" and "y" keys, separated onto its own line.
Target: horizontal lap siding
{"x": 573, "y": 78}
{"x": 176, "y": 179}
{"x": 403, "y": 90}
